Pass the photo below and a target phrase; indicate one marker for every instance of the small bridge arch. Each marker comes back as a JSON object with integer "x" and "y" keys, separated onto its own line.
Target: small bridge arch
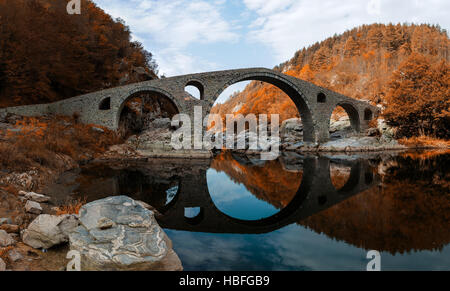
{"x": 121, "y": 102}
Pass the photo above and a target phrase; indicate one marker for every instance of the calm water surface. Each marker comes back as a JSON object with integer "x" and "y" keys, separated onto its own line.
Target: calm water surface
{"x": 296, "y": 213}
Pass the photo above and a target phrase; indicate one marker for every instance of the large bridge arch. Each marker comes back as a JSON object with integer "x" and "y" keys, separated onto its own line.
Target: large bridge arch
{"x": 284, "y": 84}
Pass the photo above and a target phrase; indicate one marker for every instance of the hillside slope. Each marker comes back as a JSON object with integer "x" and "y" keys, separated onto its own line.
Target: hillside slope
{"x": 367, "y": 63}
{"x": 47, "y": 55}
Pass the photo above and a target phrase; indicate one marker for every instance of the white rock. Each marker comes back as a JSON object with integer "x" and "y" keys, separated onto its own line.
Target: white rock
{"x": 5, "y": 239}
{"x": 47, "y": 231}
{"x": 33, "y": 207}
{"x": 35, "y": 197}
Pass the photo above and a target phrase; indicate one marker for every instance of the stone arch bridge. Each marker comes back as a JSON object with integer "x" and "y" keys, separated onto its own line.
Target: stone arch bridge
{"x": 314, "y": 103}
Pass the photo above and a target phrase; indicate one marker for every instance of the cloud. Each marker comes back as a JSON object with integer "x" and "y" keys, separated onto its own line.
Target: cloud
{"x": 374, "y": 7}
{"x": 169, "y": 28}
{"x": 288, "y": 26}
{"x": 188, "y": 36}
{"x": 266, "y": 7}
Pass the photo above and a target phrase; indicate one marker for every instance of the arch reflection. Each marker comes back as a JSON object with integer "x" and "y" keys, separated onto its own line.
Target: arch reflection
{"x": 314, "y": 193}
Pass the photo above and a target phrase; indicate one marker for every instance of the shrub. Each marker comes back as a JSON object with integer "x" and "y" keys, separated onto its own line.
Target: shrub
{"x": 72, "y": 207}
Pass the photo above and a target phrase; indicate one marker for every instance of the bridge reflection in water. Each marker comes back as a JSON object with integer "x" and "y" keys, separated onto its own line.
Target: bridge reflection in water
{"x": 179, "y": 189}
{"x": 315, "y": 194}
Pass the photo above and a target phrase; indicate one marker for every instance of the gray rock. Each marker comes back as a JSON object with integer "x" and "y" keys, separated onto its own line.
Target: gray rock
{"x": 292, "y": 129}
{"x": 33, "y": 207}
{"x": 2, "y": 266}
{"x": 149, "y": 207}
{"x": 14, "y": 256}
{"x": 387, "y": 133}
{"x": 342, "y": 124}
{"x": 134, "y": 241}
{"x": 293, "y": 124}
{"x": 3, "y": 117}
{"x": 5, "y": 239}
{"x": 35, "y": 197}
{"x": 47, "y": 231}
{"x": 161, "y": 123}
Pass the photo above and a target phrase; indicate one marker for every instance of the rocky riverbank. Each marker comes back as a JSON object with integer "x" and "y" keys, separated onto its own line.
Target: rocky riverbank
{"x": 36, "y": 151}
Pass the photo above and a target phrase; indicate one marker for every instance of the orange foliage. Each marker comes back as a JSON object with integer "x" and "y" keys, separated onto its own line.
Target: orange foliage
{"x": 424, "y": 142}
{"x": 39, "y": 142}
{"x": 11, "y": 189}
{"x": 72, "y": 207}
{"x": 418, "y": 98}
{"x": 361, "y": 63}
{"x": 269, "y": 183}
{"x": 4, "y": 251}
{"x": 426, "y": 155}
{"x": 406, "y": 213}
{"x": 48, "y": 55}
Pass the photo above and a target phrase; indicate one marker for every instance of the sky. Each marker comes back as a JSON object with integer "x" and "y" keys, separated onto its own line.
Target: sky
{"x": 192, "y": 36}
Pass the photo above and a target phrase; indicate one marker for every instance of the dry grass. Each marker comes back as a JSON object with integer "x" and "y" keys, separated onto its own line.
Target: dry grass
{"x": 39, "y": 141}
{"x": 10, "y": 189}
{"x": 72, "y": 207}
{"x": 4, "y": 253}
{"x": 425, "y": 142}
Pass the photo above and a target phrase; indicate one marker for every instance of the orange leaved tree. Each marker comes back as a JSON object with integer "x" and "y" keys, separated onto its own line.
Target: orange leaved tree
{"x": 418, "y": 98}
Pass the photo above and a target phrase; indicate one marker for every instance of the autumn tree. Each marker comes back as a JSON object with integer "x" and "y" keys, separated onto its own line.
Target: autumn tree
{"x": 418, "y": 98}
{"x": 48, "y": 55}
{"x": 360, "y": 63}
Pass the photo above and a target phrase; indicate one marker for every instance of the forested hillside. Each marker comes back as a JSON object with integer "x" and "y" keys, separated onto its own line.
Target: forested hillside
{"x": 403, "y": 67}
{"x": 47, "y": 54}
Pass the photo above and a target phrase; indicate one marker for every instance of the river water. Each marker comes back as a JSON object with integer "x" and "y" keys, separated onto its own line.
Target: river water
{"x": 296, "y": 213}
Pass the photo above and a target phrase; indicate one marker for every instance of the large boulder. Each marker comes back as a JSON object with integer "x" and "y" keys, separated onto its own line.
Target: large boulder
{"x": 118, "y": 233}
{"x": 47, "y": 231}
